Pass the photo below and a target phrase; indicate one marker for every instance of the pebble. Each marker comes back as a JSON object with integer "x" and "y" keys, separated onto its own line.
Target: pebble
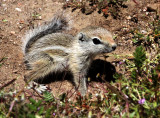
{"x": 40, "y": 17}
{"x": 13, "y": 32}
{"x": 18, "y": 9}
{"x": 145, "y": 9}
{"x": 128, "y": 17}
{"x": 143, "y": 31}
{"x": 147, "y": 13}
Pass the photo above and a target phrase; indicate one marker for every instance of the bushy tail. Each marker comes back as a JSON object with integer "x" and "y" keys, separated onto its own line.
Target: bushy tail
{"x": 58, "y": 24}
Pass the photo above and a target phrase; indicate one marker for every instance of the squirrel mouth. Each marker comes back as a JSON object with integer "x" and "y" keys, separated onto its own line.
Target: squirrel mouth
{"x": 107, "y": 51}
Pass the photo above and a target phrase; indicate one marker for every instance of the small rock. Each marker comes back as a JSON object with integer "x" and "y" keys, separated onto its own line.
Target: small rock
{"x": 145, "y": 9}
{"x": 40, "y": 17}
{"x": 129, "y": 42}
{"x": 128, "y": 17}
{"x": 13, "y": 32}
{"x": 18, "y": 9}
{"x": 147, "y": 13}
{"x": 143, "y": 32}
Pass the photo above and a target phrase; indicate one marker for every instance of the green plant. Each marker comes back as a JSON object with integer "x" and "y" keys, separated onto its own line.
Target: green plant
{"x": 48, "y": 97}
{"x": 35, "y": 15}
{"x": 139, "y": 57}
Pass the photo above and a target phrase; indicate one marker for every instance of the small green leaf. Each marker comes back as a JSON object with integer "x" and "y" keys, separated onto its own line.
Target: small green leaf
{"x": 139, "y": 56}
{"x": 41, "y": 110}
{"x": 132, "y": 115}
{"x": 48, "y": 97}
{"x": 134, "y": 74}
{"x": 38, "y": 103}
{"x": 32, "y": 101}
{"x": 4, "y": 20}
{"x": 135, "y": 41}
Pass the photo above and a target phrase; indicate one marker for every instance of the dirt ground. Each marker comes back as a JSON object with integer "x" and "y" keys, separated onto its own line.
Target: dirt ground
{"x": 17, "y": 17}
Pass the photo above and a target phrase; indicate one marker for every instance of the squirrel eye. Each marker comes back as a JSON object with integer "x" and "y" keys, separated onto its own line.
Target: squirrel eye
{"x": 96, "y": 41}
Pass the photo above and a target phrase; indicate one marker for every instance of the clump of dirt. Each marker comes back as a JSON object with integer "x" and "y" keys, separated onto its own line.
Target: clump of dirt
{"x": 17, "y": 17}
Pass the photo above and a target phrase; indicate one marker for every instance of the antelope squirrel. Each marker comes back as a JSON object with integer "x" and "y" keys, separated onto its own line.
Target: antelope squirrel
{"x": 47, "y": 49}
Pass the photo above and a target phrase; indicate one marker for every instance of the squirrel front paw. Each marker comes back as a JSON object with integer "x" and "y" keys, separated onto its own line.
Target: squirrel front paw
{"x": 83, "y": 91}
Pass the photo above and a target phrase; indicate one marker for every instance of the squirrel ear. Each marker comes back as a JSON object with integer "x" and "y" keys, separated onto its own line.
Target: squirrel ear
{"x": 81, "y": 36}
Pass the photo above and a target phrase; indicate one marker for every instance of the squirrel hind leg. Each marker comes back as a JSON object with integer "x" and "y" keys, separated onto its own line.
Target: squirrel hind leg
{"x": 39, "y": 69}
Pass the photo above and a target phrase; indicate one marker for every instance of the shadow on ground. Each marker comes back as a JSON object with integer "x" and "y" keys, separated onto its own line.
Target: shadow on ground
{"x": 99, "y": 69}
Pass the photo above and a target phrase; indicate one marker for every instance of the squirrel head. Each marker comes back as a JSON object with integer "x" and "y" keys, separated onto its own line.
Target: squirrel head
{"x": 96, "y": 40}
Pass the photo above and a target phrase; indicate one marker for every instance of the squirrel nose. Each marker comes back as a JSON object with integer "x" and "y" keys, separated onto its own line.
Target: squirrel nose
{"x": 114, "y": 47}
